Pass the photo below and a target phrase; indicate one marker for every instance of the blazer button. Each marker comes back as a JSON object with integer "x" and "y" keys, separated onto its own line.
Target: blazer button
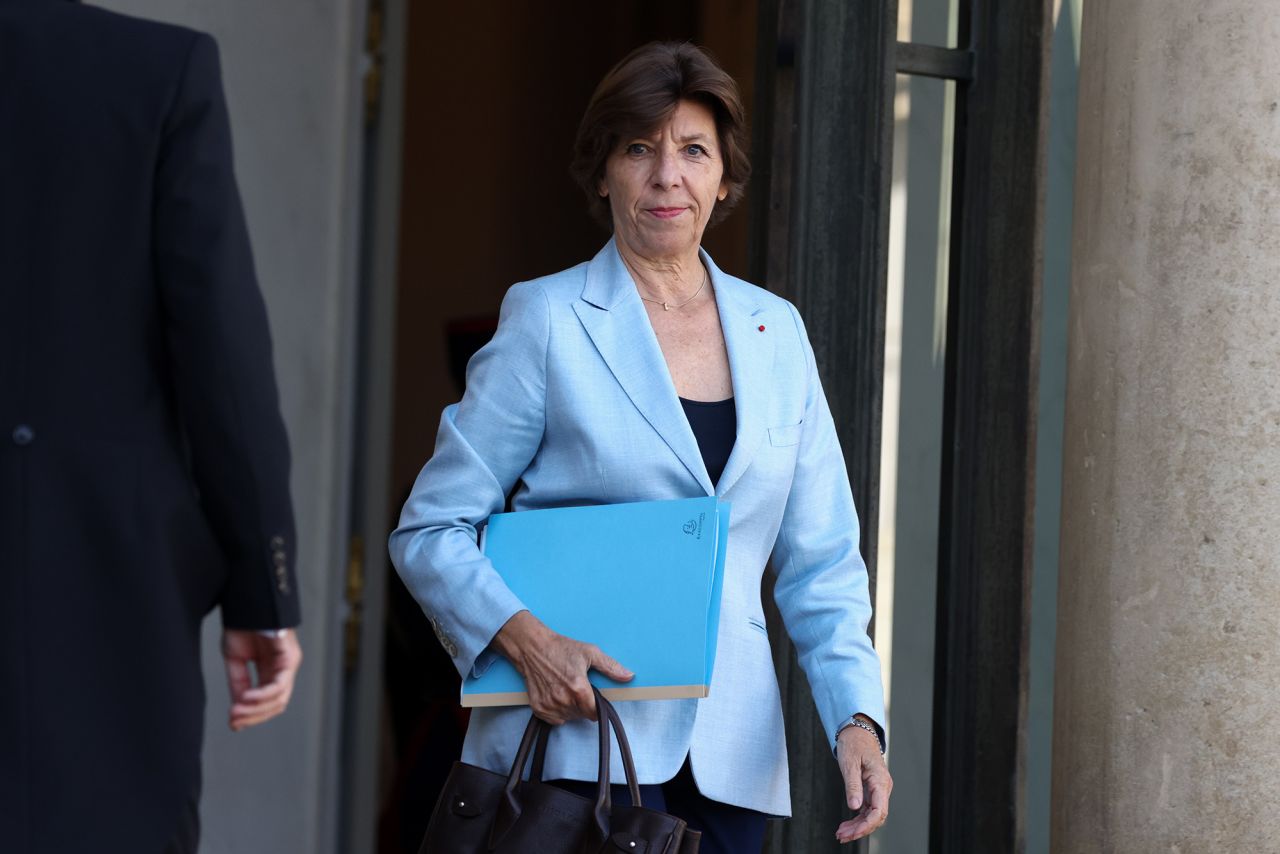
{"x": 23, "y": 435}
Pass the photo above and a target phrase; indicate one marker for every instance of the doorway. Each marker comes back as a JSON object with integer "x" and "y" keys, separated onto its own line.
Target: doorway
{"x": 492, "y": 96}
{"x": 490, "y": 100}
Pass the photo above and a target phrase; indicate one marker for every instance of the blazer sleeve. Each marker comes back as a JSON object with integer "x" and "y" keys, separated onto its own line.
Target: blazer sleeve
{"x": 822, "y": 587}
{"x": 219, "y": 351}
{"x": 484, "y": 445}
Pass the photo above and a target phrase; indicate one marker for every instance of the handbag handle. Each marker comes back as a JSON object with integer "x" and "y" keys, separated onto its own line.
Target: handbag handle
{"x": 509, "y": 805}
{"x": 535, "y": 738}
{"x": 624, "y": 747}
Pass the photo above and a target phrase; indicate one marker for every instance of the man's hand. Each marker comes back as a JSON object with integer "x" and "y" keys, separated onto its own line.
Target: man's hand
{"x": 276, "y": 661}
{"x": 555, "y": 668}
{"x": 867, "y": 783}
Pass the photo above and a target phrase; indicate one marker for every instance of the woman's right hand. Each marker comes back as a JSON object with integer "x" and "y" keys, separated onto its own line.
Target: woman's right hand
{"x": 555, "y": 668}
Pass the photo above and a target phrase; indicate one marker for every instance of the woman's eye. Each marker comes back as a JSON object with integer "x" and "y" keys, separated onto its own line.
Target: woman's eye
{"x": 696, "y": 150}
{"x": 637, "y": 148}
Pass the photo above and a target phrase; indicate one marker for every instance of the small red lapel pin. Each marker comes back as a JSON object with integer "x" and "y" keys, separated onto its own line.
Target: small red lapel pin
{"x": 761, "y": 327}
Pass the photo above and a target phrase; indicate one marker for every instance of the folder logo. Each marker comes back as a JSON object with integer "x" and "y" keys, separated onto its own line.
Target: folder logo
{"x": 690, "y": 526}
{"x": 694, "y": 526}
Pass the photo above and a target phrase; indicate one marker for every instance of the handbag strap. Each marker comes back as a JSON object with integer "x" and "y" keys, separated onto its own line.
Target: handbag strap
{"x": 540, "y": 755}
{"x": 624, "y": 747}
{"x": 536, "y": 735}
{"x": 509, "y": 805}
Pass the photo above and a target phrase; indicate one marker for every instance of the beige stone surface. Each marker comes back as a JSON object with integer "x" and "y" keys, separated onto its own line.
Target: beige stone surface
{"x": 1167, "y": 696}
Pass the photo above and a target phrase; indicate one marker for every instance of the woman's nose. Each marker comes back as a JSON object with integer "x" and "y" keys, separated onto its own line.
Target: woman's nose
{"x": 666, "y": 170}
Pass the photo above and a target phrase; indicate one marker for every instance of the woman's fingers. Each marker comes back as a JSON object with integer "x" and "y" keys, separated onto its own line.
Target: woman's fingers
{"x": 867, "y": 783}
{"x": 585, "y": 701}
{"x": 573, "y": 699}
{"x": 862, "y": 825}
{"x": 608, "y": 665}
{"x": 548, "y": 715}
{"x": 556, "y": 676}
{"x": 554, "y": 682}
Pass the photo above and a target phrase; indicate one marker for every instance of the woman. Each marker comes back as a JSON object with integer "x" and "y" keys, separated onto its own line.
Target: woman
{"x": 646, "y": 374}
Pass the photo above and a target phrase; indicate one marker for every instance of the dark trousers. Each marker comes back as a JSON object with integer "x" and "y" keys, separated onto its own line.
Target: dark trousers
{"x": 725, "y": 829}
{"x": 187, "y": 838}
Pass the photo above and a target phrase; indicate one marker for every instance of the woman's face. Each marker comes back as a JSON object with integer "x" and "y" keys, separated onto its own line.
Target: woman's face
{"x": 663, "y": 186}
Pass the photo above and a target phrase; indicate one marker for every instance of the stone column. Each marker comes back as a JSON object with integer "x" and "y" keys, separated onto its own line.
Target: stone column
{"x": 1167, "y": 710}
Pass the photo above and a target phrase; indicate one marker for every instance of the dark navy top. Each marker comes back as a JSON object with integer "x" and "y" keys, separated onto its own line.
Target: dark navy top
{"x": 715, "y": 426}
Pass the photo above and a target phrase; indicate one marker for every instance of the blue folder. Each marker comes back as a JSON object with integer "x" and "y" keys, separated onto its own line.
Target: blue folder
{"x": 642, "y": 581}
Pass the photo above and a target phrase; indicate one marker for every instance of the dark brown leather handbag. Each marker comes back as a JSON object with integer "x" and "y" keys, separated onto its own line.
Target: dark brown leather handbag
{"x": 482, "y": 812}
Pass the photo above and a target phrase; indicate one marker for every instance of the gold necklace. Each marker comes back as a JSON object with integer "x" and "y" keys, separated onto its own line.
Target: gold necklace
{"x": 667, "y": 306}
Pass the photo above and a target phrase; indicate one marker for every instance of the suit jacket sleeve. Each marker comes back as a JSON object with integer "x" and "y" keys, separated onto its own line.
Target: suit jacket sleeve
{"x": 219, "y": 351}
{"x": 822, "y": 586}
{"x": 484, "y": 444}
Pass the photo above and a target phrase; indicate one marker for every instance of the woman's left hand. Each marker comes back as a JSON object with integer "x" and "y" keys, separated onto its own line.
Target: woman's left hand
{"x": 867, "y": 783}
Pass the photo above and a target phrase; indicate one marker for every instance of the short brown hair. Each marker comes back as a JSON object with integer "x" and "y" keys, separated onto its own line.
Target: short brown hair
{"x": 638, "y": 94}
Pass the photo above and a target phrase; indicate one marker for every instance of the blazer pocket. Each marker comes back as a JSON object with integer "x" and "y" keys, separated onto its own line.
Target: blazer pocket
{"x": 758, "y": 625}
{"x": 781, "y": 437}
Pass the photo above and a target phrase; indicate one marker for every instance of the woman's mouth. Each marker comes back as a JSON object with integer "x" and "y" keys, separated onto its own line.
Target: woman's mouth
{"x": 667, "y": 213}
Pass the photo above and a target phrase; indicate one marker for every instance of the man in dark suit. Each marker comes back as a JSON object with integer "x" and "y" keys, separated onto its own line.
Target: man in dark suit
{"x": 143, "y": 461}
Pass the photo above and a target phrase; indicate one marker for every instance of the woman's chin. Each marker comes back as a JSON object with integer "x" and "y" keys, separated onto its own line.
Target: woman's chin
{"x": 664, "y": 239}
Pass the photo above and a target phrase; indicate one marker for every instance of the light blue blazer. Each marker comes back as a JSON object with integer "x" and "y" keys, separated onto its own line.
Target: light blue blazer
{"x": 571, "y": 403}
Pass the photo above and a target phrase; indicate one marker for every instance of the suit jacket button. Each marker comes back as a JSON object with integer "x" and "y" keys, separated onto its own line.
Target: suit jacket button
{"x": 23, "y": 435}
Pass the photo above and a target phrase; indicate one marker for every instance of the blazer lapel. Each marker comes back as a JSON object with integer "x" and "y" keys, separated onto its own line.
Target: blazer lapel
{"x": 751, "y": 353}
{"x": 614, "y": 317}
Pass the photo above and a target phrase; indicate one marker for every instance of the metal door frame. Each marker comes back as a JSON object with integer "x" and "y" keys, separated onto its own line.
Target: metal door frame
{"x": 823, "y": 149}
